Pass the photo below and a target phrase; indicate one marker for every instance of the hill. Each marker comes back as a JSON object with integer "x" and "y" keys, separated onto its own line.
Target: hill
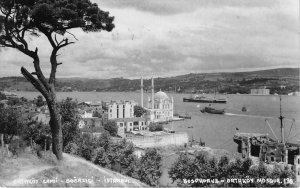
{"x": 224, "y": 82}
{"x": 30, "y": 171}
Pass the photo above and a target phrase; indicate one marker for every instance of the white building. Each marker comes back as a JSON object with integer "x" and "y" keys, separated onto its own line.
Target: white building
{"x": 160, "y": 107}
{"x": 131, "y": 124}
{"x": 120, "y": 109}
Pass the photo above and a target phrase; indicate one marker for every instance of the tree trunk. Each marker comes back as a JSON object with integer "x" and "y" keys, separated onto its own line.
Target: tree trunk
{"x": 2, "y": 140}
{"x": 56, "y": 127}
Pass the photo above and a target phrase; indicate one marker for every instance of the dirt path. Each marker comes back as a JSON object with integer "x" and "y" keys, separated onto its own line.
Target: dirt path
{"x": 24, "y": 175}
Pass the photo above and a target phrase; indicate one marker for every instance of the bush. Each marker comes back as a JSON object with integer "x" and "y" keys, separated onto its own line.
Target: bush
{"x": 72, "y": 148}
{"x": 111, "y": 127}
{"x": 102, "y": 158}
{"x": 17, "y": 146}
{"x": 155, "y": 127}
{"x": 150, "y": 167}
{"x": 205, "y": 167}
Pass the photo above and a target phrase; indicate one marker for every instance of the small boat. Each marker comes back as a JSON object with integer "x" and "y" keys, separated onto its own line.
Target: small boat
{"x": 203, "y": 99}
{"x": 185, "y": 116}
{"x": 244, "y": 109}
{"x": 190, "y": 127}
{"x": 209, "y": 109}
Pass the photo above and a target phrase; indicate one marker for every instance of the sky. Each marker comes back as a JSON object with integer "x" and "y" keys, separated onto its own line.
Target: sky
{"x": 174, "y": 37}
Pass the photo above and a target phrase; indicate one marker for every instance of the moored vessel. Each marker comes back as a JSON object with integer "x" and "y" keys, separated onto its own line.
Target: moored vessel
{"x": 211, "y": 110}
{"x": 203, "y": 99}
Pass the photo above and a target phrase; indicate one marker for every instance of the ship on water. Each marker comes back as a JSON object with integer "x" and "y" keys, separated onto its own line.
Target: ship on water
{"x": 203, "y": 99}
{"x": 211, "y": 110}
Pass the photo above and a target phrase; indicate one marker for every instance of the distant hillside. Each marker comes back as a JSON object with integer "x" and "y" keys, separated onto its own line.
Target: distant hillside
{"x": 224, "y": 82}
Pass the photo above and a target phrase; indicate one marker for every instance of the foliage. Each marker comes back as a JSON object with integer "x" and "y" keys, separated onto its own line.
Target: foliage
{"x": 2, "y": 96}
{"x": 150, "y": 167}
{"x": 20, "y": 19}
{"x": 40, "y": 101}
{"x": 14, "y": 101}
{"x": 68, "y": 110}
{"x": 186, "y": 169}
{"x": 37, "y": 132}
{"x": 111, "y": 127}
{"x": 11, "y": 123}
{"x": 72, "y": 148}
{"x": 71, "y": 133}
{"x": 17, "y": 146}
{"x": 139, "y": 111}
{"x": 118, "y": 156}
{"x": 155, "y": 127}
{"x": 70, "y": 119}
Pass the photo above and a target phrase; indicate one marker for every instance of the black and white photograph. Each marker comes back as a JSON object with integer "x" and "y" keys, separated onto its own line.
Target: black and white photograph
{"x": 149, "y": 93}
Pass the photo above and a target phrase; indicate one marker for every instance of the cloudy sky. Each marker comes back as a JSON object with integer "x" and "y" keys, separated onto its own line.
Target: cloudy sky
{"x": 173, "y": 37}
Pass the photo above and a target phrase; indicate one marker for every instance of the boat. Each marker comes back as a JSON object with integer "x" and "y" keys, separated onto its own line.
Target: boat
{"x": 203, "y": 99}
{"x": 209, "y": 109}
{"x": 190, "y": 127}
{"x": 244, "y": 109}
{"x": 185, "y": 116}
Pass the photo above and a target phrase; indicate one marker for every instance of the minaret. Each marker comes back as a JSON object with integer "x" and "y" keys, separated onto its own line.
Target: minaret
{"x": 152, "y": 89}
{"x": 142, "y": 93}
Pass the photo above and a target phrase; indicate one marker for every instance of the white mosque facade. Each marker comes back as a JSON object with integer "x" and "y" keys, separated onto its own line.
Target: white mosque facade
{"x": 160, "y": 106}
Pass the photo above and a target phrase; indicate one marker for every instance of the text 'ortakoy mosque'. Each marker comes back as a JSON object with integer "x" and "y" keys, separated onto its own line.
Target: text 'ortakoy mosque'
{"x": 160, "y": 106}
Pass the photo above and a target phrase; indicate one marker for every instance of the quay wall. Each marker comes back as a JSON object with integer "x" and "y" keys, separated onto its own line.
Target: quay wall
{"x": 177, "y": 139}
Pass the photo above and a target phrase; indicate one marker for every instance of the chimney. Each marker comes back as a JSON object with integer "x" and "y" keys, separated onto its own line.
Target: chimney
{"x": 142, "y": 93}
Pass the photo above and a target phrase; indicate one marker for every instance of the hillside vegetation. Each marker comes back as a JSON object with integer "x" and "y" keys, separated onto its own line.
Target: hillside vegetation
{"x": 30, "y": 170}
{"x": 229, "y": 82}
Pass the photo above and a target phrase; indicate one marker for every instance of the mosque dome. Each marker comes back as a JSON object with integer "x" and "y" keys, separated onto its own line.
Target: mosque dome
{"x": 160, "y": 96}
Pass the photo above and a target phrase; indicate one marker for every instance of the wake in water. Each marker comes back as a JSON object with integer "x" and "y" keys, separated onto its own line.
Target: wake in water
{"x": 255, "y": 116}
{"x": 245, "y": 115}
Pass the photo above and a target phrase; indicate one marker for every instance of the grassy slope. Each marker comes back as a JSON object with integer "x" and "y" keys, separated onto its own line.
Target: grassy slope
{"x": 47, "y": 172}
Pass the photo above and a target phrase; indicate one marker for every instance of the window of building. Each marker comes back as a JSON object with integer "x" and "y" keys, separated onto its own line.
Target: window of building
{"x": 123, "y": 110}
{"x": 117, "y": 111}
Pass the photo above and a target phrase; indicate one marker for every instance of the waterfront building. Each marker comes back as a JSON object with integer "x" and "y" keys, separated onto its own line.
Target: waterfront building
{"x": 122, "y": 112}
{"x": 126, "y": 125}
{"x": 260, "y": 91}
{"x": 120, "y": 109}
{"x": 160, "y": 106}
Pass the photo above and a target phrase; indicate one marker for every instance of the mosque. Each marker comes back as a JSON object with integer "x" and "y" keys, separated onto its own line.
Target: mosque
{"x": 160, "y": 107}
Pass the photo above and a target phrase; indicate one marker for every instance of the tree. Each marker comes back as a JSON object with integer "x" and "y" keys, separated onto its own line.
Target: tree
{"x": 2, "y": 96}
{"x": 155, "y": 127}
{"x": 150, "y": 167}
{"x": 20, "y": 19}
{"x": 69, "y": 117}
{"x": 186, "y": 169}
{"x": 111, "y": 127}
{"x": 139, "y": 111}
{"x": 36, "y": 132}
{"x": 11, "y": 124}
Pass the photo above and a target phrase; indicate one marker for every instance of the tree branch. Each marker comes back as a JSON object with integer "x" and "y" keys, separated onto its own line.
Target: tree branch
{"x": 36, "y": 83}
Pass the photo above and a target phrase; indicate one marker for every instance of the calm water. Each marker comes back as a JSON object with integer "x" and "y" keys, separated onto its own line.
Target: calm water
{"x": 216, "y": 130}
